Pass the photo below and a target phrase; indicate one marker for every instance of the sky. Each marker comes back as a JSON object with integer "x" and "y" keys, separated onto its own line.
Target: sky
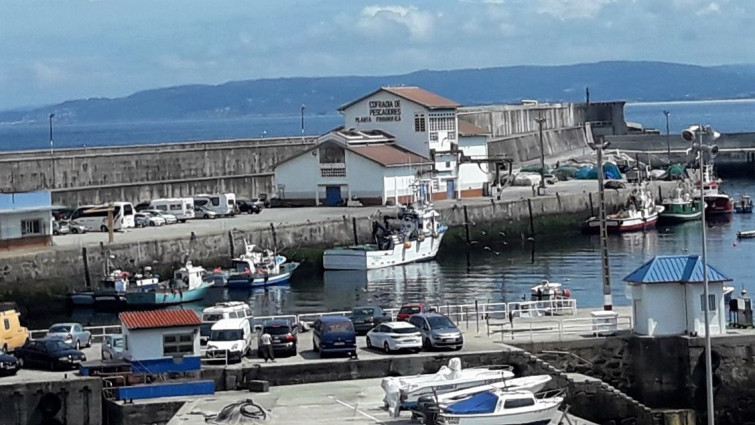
{"x": 57, "y": 50}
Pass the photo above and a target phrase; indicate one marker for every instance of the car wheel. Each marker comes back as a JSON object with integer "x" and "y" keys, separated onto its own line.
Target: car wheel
{"x": 369, "y": 343}
{"x": 386, "y": 348}
{"x": 55, "y": 233}
{"x": 294, "y": 350}
{"x": 206, "y": 216}
{"x": 20, "y": 361}
{"x": 74, "y": 231}
{"x": 103, "y": 228}
{"x": 78, "y": 344}
{"x": 457, "y": 348}
{"x": 314, "y": 346}
{"x": 89, "y": 342}
{"x": 427, "y": 344}
{"x": 51, "y": 365}
{"x": 5, "y": 348}
{"x": 152, "y": 224}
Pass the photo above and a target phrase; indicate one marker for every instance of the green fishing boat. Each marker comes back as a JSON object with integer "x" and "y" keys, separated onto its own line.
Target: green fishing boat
{"x": 680, "y": 208}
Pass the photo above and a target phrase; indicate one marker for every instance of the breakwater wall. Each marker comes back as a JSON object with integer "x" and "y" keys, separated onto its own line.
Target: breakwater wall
{"x": 59, "y": 401}
{"x": 526, "y": 147}
{"x": 143, "y": 172}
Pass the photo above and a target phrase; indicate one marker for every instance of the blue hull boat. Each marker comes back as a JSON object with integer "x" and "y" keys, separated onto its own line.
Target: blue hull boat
{"x": 158, "y": 299}
{"x": 258, "y": 280}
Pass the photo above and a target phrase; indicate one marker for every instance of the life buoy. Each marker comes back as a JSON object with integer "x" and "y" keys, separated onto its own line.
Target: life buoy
{"x": 407, "y": 245}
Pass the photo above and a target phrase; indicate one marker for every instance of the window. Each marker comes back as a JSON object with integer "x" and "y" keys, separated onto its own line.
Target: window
{"x": 200, "y": 202}
{"x": 6, "y": 322}
{"x": 175, "y": 207}
{"x": 215, "y": 201}
{"x": 448, "y": 164}
{"x": 711, "y": 304}
{"x": 178, "y": 344}
{"x": 31, "y": 227}
{"x": 128, "y": 209}
{"x": 513, "y": 403}
{"x": 419, "y": 123}
{"x": 333, "y": 172}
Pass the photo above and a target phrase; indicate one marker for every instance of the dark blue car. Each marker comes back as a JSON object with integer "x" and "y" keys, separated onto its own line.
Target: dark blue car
{"x": 334, "y": 334}
{"x": 49, "y": 353}
{"x": 9, "y": 365}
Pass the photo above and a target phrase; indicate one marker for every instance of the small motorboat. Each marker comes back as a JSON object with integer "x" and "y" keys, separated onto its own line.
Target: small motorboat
{"x": 547, "y": 290}
{"x": 638, "y": 213}
{"x": 534, "y": 383}
{"x": 746, "y": 234}
{"x": 404, "y": 392}
{"x": 501, "y": 407}
{"x": 258, "y": 268}
{"x": 743, "y": 205}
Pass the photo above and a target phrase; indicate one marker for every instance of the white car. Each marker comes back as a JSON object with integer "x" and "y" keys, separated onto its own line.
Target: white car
{"x": 394, "y": 336}
{"x": 144, "y": 220}
{"x": 169, "y": 218}
{"x": 202, "y": 212}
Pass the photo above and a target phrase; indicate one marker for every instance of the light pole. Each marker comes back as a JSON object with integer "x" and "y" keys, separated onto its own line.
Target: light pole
{"x": 303, "y": 107}
{"x": 605, "y": 265}
{"x": 668, "y": 142}
{"x": 52, "y": 159}
{"x": 695, "y": 135}
{"x": 540, "y": 121}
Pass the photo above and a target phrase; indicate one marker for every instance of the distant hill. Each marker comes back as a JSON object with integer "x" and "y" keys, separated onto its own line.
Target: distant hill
{"x": 631, "y": 81}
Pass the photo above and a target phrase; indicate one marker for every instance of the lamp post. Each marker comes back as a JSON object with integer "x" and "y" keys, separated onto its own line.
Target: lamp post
{"x": 668, "y": 142}
{"x": 303, "y": 107}
{"x": 605, "y": 265}
{"x": 540, "y": 121}
{"x": 52, "y": 159}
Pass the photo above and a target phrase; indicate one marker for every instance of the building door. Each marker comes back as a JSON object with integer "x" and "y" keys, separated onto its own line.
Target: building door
{"x": 450, "y": 189}
{"x": 332, "y": 195}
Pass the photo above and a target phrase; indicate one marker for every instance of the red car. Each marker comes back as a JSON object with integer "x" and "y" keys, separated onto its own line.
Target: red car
{"x": 409, "y": 309}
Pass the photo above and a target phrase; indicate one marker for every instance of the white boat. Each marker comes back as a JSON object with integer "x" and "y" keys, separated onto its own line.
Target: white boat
{"x": 745, "y": 234}
{"x": 414, "y": 234}
{"x": 534, "y": 383}
{"x": 502, "y": 407}
{"x": 547, "y": 290}
{"x": 404, "y": 392}
{"x": 257, "y": 268}
{"x": 639, "y": 213}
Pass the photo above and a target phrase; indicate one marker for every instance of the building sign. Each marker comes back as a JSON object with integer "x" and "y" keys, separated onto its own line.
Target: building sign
{"x": 382, "y": 111}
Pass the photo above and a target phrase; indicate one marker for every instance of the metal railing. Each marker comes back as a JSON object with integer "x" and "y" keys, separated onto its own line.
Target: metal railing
{"x": 215, "y": 359}
{"x": 584, "y": 326}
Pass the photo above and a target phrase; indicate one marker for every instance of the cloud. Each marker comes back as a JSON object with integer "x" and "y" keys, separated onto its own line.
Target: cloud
{"x": 571, "y": 9}
{"x": 419, "y": 24}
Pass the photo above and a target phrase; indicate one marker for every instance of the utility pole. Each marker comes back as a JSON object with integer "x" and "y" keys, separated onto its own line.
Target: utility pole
{"x": 540, "y": 121}
{"x": 607, "y": 297}
{"x": 303, "y": 107}
{"x": 668, "y": 140}
{"x": 52, "y": 157}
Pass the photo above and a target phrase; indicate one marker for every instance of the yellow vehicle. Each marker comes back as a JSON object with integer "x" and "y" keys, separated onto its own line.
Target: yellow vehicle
{"x": 12, "y": 334}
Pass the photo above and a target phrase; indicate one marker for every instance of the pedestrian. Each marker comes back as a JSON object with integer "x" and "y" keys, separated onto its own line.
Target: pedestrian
{"x": 266, "y": 342}
{"x": 511, "y": 318}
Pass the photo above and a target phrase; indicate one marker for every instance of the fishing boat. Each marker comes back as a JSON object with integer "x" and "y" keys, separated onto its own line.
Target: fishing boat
{"x": 746, "y": 234}
{"x": 680, "y": 208}
{"x": 717, "y": 203}
{"x": 188, "y": 285}
{"x": 413, "y": 234}
{"x": 547, "y": 290}
{"x": 110, "y": 291}
{"x": 501, "y": 407}
{"x": 638, "y": 213}
{"x": 743, "y": 205}
{"x": 256, "y": 268}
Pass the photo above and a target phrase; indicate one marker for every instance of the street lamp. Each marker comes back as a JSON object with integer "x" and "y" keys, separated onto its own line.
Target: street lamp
{"x": 607, "y": 297}
{"x": 668, "y": 142}
{"x": 52, "y": 159}
{"x": 303, "y": 107}
{"x": 540, "y": 121}
{"x": 702, "y": 149}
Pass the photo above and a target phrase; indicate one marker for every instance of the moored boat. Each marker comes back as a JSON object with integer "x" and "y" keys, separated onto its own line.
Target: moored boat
{"x": 680, "y": 208}
{"x": 743, "y": 205}
{"x": 746, "y": 234}
{"x": 638, "y": 213}
{"x": 256, "y": 268}
{"x": 187, "y": 285}
{"x": 717, "y": 203}
{"x": 500, "y": 407}
{"x": 413, "y": 234}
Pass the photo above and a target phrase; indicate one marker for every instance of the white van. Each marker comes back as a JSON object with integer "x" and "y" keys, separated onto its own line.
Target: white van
{"x": 222, "y": 204}
{"x": 230, "y": 339}
{"x": 182, "y": 208}
{"x": 94, "y": 217}
{"x": 220, "y": 311}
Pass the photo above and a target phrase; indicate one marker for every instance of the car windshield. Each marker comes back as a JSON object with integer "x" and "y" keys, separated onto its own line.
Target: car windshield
{"x": 339, "y": 327}
{"x": 439, "y": 322}
{"x": 363, "y": 311}
{"x": 277, "y": 330}
{"x": 410, "y": 310}
{"x": 226, "y": 335}
{"x": 56, "y": 346}
{"x": 209, "y": 317}
{"x": 119, "y": 342}
{"x": 407, "y": 330}
{"x": 59, "y": 329}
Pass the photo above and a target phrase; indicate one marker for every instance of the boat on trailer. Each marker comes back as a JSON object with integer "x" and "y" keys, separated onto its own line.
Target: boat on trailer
{"x": 501, "y": 407}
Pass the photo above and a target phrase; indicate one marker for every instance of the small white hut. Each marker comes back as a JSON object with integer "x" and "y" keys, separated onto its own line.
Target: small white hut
{"x": 667, "y": 295}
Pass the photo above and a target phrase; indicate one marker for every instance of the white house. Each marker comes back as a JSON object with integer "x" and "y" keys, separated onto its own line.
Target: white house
{"x": 347, "y": 164}
{"x": 473, "y": 142}
{"x": 667, "y": 297}
{"x": 421, "y": 121}
{"x": 162, "y": 340}
{"x": 25, "y": 220}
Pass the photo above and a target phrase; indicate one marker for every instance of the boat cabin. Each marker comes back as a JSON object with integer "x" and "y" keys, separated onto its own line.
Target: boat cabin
{"x": 188, "y": 276}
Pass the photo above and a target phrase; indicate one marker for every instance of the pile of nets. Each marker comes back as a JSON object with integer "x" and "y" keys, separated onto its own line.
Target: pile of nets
{"x": 240, "y": 412}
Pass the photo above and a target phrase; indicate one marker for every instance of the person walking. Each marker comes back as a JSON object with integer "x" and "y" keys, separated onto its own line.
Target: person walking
{"x": 266, "y": 342}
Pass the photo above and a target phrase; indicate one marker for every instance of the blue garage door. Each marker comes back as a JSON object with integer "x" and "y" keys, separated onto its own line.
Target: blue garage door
{"x": 332, "y": 195}
{"x": 450, "y": 189}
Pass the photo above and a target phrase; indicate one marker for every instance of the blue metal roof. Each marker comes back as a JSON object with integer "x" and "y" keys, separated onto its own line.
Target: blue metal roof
{"x": 675, "y": 269}
{"x": 23, "y": 200}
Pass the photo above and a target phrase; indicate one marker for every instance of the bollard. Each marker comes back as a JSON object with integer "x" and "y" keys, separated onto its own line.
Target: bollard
{"x": 354, "y": 229}
{"x": 275, "y": 237}
{"x": 466, "y": 225}
{"x": 532, "y": 220}
{"x": 466, "y": 316}
{"x": 230, "y": 243}
{"x": 477, "y": 316}
{"x": 87, "y": 279}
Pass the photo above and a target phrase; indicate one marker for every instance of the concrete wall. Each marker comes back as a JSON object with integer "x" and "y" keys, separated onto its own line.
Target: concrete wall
{"x": 73, "y": 401}
{"x": 507, "y": 120}
{"x": 526, "y": 147}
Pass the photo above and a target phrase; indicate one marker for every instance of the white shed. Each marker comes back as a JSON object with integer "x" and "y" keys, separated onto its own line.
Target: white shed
{"x": 162, "y": 340}
{"x": 667, "y": 295}
{"x": 25, "y": 220}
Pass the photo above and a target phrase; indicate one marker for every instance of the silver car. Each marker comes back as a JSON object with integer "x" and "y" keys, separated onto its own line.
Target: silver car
{"x": 72, "y": 334}
{"x": 437, "y": 331}
{"x": 113, "y": 347}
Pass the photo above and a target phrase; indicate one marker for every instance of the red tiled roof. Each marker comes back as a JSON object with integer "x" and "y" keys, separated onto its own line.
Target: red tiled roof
{"x": 159, "y": 319}
{"x": 469, "y": 129}
{"x": 415, "y": 94}
{"x": 388, "y": 155}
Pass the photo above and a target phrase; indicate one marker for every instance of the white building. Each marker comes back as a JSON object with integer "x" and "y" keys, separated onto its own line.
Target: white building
{"x": 25, "y": 220}
{"x": 421, "y": 122}
{"x": 667, "y": 297}
{"x": 350, "y": 164}
{"x": 473, "y": 142}
{"x": 162, "y": 340}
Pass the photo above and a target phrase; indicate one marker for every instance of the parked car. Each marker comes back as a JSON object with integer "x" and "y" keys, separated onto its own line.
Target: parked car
{"x": 143, "y": 220}
{"x": 437, "y": 331}
{"x": 258, "y": 202}
{"x": 264, "y": 199}
{"x": 334, "y": 334}
{"x": 169, "y": 218}
{"x": 76, "y": 228}
{"x": 367, "y": 317}
{"x": 50, "y": 353}
{"x": 283, "y": 335}
{"x": 245, "y": 206}
{"x": 203, "y": 212}
{"x": 113, "y": 347}
{"x": 230, "y": 339}
{"x": 9, "y": 365}
{"x": 62, "y": 213}
{"x": 407, "y": 310}
{"x": 12, "y": 334}
{"x": 141, "y": 206}
{"x": 60, "y": 227}
{"x": 394, "y": 336}
{"x": 72, "y": 334}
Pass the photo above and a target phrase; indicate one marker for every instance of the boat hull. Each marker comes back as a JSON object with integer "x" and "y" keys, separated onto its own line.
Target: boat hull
{"x": 542, "y": 416}
{"x": 367, "y": 257}
{"x": 83, "y": 299}
{"x": 672, "y": 218}
{"x": 246, "y": 281}
{"x": 166, "y": 298}
{"x": 617, "y": 225}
